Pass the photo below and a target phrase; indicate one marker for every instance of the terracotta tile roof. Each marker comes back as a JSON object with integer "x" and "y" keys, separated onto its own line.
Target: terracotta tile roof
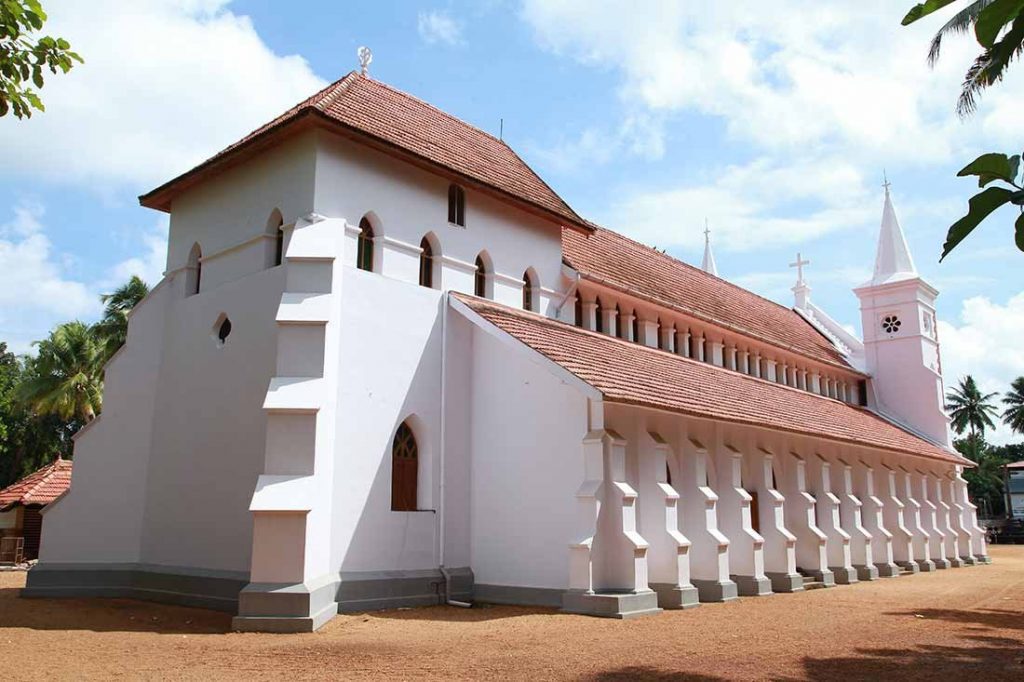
{"x": 616, "y": 261}
{"x": 626, "y": 372}
{"x": 40, "y": 487}
{"x": 395, "y": 119}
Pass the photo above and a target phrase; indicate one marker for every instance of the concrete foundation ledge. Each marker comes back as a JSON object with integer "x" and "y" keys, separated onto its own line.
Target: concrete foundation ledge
{"x": 183, "y": 586}
{"x": 517, "y": 596}
{"x": 713, "y": 591}
{"x": 376, "y": 590}
{"x": 786, "y": 582}
{"x": 866, "y": 572}
{"x": 887, "y": 570}
{"x": 611, "y": 604}
{"x": 752, "y": 586}
{"x": 843, "y": 575}
{"x": 676, "y": 596}
{"x": 825, "y": 576}
{"x": 911, "y": 566}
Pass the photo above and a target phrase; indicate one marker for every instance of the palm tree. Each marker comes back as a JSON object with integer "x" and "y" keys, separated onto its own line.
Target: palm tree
{"x": 1014, "y": 400}
{"x": 969, "y": 409}
{"x": 65, "y": 378}
{"x": 112, "y": 329}
{"x": 961, "y": 23}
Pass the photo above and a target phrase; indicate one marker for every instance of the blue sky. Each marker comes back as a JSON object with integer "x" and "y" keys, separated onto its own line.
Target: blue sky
{"x": 775, "y": 123}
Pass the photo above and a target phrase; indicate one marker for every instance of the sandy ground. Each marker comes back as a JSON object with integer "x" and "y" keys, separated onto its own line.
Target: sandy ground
{"x": 951, "y": 624}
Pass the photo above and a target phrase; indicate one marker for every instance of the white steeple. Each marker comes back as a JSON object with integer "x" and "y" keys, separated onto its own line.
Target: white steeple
{"x": 708, "y": 264}
{"x": 892, "y": 260}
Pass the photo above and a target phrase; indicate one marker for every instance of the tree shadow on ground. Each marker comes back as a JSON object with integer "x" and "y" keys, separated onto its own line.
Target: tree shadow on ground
{"x": 989, "y": 618}
{"x": 455, "y": 614}
{"x": 101, "y": 614}
{"x": 640, "y": 672}
{"x": 994, "y": 658}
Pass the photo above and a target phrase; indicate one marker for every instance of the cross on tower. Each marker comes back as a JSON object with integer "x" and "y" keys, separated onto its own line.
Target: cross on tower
{"x": 885, "y": 182}
{"x": 799, "y": 265}
{"x": 707, "y": 231}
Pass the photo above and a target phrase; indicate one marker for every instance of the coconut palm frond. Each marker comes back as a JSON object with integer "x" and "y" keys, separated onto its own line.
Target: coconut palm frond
{"x": 960, "y": 23}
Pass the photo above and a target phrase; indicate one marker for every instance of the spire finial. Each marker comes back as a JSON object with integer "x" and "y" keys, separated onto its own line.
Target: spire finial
{"x": 365, "y": 57}
{"x": 885, "y": 181}
{"x": 708, "y": 265}
{"x": 799, "y": 265}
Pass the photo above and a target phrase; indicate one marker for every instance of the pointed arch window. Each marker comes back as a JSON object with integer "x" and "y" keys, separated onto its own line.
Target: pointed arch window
{"x": 456, "y": 205}
{"x": 426, "y": 264}
{"x": 482, "y": 276}
{"x": 404, "y": 469}
{"x": 275, "y": 248}
{"x": 364, "y": 246}
{"x": 529, "y": 291}
{"x": 194, "y": 270}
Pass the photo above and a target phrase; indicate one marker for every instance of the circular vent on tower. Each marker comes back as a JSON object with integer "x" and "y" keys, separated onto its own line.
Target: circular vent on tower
{"x": 891, "y": 324}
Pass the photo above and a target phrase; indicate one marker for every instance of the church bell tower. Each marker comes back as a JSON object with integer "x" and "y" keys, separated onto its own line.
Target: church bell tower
{"x": 901, "y": 344}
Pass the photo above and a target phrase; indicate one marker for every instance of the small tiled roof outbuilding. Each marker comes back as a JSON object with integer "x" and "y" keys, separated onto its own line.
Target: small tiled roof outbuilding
{"x": 633, "y": 374}
{"x": 38, "y": 488}
{"x": 371, "y": 112}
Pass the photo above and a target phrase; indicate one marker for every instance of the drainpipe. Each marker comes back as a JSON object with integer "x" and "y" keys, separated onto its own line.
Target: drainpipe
{"x": 444, "y": 421}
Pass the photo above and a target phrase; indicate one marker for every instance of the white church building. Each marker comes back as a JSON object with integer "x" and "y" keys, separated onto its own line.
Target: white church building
{"x": 389, "y": 366}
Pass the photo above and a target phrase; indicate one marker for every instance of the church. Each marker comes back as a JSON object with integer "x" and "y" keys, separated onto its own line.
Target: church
{"x": 389, "y": 366}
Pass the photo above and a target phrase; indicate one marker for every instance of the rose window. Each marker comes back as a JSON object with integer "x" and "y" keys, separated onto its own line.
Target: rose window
{"x": 891, "y": 324}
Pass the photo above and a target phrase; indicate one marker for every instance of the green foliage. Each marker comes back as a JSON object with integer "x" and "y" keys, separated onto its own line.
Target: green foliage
{"x": 1013, "y": 416}
{"x": 970, "y": 409}
{"x": 999, "y": 30}
{"x": 24, "y": 58}
{"x": 985, "y": 483}
{"x": 65, "y": 377}
{"x": 112, "y": 329}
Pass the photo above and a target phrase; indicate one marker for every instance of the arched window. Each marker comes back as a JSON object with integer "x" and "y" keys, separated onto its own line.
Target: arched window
{"x": 457, "y": 205}
{"x": 275, "y": 249}
{"x": 599, "y": 322}
{"x": 426, "y": 264}
{"x": 530, "y": 291}
{"x": 618, "y": 322}
{"x": 364, "y": 249}
{"x": 404, "y": 465}
{"x": 482, "y": 277}
{"x": 578, "y": 312}
{"x": 194, "y": 270}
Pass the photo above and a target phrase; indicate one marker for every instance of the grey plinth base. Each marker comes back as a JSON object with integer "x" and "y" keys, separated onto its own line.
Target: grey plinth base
{"x": 184, "y": 586}
{"x": 716, "y": 590}
{"x": 969, "y": 560}
{"x": 786, "y": 582}
{"x": 611, "y": 604}
{"x": 927, "y": 565}
{"x": 866, "y": 572}
{"x": 909, "y": 566}
{"x": 844, "y": 576}
{"x": 825, "y": 576}
{"x": 676, "y": 597}
{"x": 984, "y": 559}
{"x": 887, "y": 570}
{"x": 956, "y": 562}
{"x": 519, "y": 596}
{"x": 752, "y": 586}
{"x": 941, "y": 564}
{"x": 284, "y": 607}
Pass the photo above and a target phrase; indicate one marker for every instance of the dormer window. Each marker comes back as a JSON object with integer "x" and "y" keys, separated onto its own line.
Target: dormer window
{"x": 456, "y": 205}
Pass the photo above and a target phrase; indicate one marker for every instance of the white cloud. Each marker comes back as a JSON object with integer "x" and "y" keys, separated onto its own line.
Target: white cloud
{"x": 833, "y": 91}
{"x": 34, "y": 288}
{"x": 37, "y": 288}
{"x": 165, "y": 84}
{"x": 986, "y": 345}
{"x": 746, "y": 203}
{"x": 438, "y": 27}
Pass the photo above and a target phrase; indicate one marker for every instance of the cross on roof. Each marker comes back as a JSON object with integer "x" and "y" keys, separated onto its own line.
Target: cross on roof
{"x": 707, "y": 230}
{"x": 885, "y": 182}
{"x": 799, "y": 265}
